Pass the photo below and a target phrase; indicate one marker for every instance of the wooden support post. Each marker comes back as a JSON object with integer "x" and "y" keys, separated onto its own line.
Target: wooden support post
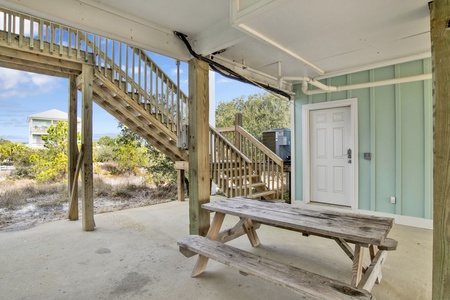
{"x": 181, "y": 167}
{"x": 440, "y": 53}
{"x": 199, "y": 177}
{"x": 237, "y": 122}
{"x": 73, "y": 150}
{"x": 180, "y": 181}
{"x": 86, "y": 140}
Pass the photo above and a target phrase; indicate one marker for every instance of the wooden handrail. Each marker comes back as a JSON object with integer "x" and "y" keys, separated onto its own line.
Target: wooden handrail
{"x": 229, "y": 144}
{"x": 226, "y": 129}
{"x": 260, "y": 145}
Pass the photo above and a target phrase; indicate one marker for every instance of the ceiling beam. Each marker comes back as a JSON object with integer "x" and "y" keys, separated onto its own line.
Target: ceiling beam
{"x": 94, "y": 17}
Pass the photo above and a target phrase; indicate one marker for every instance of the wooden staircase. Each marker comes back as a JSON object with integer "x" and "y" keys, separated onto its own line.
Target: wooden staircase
{"x": 131, "y": 87}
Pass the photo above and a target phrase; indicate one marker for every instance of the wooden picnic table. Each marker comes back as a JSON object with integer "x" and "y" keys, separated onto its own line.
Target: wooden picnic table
{"x": 344, "y": 227}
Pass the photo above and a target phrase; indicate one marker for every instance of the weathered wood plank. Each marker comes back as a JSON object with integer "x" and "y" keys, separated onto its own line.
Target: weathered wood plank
{"x": 73, "y": 150}
{"x": 130, "y": 115}
{"x": 88, "y": 222}
{"x": 54, "y": 62}
{"x": 308, "y": 284}
{"x": 440, "y": 53}
{"x": 388, "y": 244}
{"x": 233, "y": 233}
{"x": 45, "y": 50}
{"x": 182, "y": 165}
{"x": 344, "y": 246}
{"x": 34, "y": 67}
{"x": 180, "y": 184}
{"x": 348, "y": 226}
{"x": 199, "y": 175}
{"x": 357, "y": 265}
{"x": 251, "y": 233}
{"x": 373, "y": 273}
{"x": 213, "y": 232}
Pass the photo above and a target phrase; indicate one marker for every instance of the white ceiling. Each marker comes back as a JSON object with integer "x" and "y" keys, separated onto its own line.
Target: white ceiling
{"x": 270, "y": 37}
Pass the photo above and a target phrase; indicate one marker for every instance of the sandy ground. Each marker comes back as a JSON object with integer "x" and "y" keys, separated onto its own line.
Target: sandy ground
{"x": 48, "y": 208}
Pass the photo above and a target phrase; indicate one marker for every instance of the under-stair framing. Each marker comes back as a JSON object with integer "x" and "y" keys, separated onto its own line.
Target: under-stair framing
{"x": 132, "y": 88}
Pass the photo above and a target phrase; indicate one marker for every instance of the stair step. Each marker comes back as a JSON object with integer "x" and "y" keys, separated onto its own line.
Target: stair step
{"x": 262, "y": 194}
{"x": 242, "y": 177}
{"x": 252, "y": 185}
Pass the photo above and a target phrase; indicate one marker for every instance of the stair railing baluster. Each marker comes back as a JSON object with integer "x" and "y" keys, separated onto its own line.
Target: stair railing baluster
{"x": 60, "y": 43}
{"x": 162, "y": 98}
{"x": 31, "y": 32}
{"x": 41, "y": 34}
{"x": 21, "y": 32}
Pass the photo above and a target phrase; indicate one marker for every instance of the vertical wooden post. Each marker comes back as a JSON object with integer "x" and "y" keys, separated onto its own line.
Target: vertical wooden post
{"x": 199, "y": 177}
{"x": 440, "y": 53}
{"x": 237, "y": 122}
{"x": 180, "y": 182}
{"x": 86, "y": 139}
{"x": 73, "y": 149}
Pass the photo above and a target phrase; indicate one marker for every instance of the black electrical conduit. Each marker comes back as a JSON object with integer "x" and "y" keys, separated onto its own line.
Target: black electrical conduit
{"x": 227, "y": 72}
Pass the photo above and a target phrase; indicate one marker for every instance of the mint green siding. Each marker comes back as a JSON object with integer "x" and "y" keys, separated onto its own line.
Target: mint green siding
{"x": 395, "y": 126}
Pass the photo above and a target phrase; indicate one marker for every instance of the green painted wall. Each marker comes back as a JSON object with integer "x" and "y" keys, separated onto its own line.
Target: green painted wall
{"x": 395, "y": 125}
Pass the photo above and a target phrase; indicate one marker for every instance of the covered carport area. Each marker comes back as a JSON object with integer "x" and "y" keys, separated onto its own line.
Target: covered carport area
{"x": 260, "y": 43}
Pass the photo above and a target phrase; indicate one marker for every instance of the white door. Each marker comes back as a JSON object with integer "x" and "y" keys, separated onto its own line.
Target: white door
{"x": 331, "y": 156}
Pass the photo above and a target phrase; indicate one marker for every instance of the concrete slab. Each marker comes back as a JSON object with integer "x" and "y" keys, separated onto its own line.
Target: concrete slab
{"x": 132, "y": 254}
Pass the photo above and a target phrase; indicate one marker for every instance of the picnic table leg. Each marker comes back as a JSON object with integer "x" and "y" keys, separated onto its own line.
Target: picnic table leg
{"x": 373, "y": 250}
{"x": 212, "y": 234}
{"x": 357, "y": 264}
{"x": 373, "y": 273}
{"x": 251, "y": 233}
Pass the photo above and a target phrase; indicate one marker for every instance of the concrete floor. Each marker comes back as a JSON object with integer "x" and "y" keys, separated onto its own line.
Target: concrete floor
{"x": 132, "y": 254}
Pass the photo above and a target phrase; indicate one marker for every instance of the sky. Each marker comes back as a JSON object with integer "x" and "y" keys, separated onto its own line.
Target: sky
{"x": 23, "y": 94}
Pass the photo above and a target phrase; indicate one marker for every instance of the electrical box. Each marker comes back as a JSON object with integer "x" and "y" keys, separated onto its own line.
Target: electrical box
{"x": 279, "y": 141}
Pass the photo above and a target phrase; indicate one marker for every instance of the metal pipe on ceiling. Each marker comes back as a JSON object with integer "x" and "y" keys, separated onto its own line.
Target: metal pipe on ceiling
{"x": 323, "y": 88}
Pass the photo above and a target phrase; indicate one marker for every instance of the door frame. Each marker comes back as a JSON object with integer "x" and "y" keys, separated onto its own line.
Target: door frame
{"x": 306, "y": 109}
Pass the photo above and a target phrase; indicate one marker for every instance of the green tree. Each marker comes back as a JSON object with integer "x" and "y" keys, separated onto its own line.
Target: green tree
{"x": 52, "y": 164}
{"x": 104, "y": 149}
{"x": 18, "y": 155}
{"x": 129, "y": 151}
{"x": 160, "y": 170}
{"x": 132, "y": 152}
{"x": 106, "y": 141}
{"x": 260, "y": 112}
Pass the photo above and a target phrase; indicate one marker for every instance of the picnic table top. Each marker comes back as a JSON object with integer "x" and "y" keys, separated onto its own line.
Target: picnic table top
{"x": 350, "y": 226}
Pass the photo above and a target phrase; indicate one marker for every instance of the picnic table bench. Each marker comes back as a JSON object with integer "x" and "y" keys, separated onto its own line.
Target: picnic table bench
{"x": 344, "y": 227}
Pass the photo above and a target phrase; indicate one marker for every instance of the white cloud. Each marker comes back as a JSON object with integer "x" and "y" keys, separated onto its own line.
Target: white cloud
{"x": 40, "y": 80}
{"x": 174, "y": 71}
{"x": 23, "y": 84}
{"x": 223, "y": 80}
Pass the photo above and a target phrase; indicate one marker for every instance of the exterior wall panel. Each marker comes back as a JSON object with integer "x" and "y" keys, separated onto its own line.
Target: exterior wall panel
{"x": 394, "y": 125}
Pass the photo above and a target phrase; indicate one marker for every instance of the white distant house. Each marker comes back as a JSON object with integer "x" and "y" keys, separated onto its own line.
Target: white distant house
{"x": 40, "y": 122}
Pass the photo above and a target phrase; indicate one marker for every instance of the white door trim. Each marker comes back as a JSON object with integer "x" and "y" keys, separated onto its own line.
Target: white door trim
{"x": 353, "y": 104}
